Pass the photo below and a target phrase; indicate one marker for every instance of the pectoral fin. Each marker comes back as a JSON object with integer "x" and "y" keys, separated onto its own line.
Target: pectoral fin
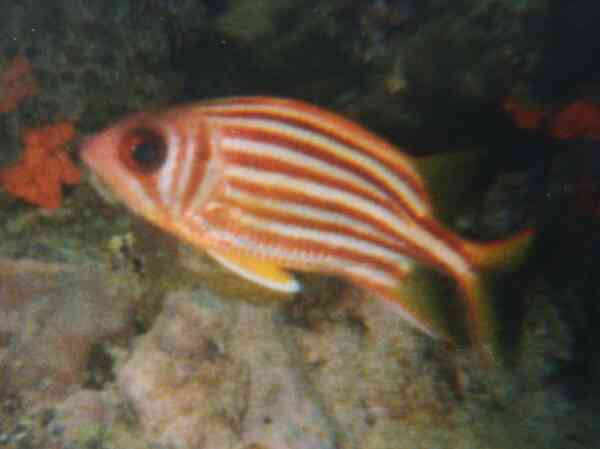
{"x": 264, "y": 273}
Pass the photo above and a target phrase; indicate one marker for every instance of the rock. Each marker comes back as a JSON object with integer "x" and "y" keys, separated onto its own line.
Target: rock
{"x": 215, "y": 374}
{"x": 374, "y": 375}
{"x": 51, "y": 316}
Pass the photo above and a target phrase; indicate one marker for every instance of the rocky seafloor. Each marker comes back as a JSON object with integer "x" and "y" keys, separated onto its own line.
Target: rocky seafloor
{"x": 113, "y": 335}
{"x": 83, "y": 365}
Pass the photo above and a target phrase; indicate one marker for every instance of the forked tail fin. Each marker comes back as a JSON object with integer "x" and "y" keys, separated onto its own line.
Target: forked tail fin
{"x": 500, "y": 255}
{"x": 427, "y": 299}
{"x": 491, "y": 259}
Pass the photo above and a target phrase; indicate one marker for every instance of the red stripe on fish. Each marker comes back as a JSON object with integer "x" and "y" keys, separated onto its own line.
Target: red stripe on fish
{"x": 315, "y": 219}
{"x": 282, "y": 179}
{"x": 274, "y": 165}
{"x": 312, "y": 154}
{"x": 324, "y": 123}
{"x": 272, "y": 137}
{"x": 303, "y": 247}
{"x": 393, "y": 172}
{"x": 289, "y": 198}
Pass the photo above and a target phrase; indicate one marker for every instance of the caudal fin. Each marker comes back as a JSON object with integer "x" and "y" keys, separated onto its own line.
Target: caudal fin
{"x": 425, "y": 297}
{"x": 500, "y": 255}
{"x": 492, "y": 259}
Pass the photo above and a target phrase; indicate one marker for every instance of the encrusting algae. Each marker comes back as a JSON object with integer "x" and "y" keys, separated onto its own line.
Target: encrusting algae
{"x": 577, "y": 120}
{"x": 44, "y": 168}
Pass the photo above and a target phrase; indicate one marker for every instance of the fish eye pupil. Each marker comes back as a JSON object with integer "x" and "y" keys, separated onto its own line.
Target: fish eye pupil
{"x": 145, "y": 153}
{"x": 147, "y": 150}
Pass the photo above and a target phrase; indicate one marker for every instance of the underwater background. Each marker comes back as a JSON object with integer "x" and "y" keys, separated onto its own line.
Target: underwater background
{"x": 114, "y": 334}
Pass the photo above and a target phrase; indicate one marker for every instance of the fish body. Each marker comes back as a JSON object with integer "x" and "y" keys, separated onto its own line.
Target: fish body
{"x": 267, "y": 185}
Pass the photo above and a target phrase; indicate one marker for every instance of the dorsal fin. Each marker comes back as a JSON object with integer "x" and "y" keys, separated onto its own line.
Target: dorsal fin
{"x": 449, "y": 177}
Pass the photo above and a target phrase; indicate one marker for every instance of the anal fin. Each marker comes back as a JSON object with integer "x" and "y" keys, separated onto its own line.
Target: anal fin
{"x": 428, "y": 298}
{"x": 259, "y": 271}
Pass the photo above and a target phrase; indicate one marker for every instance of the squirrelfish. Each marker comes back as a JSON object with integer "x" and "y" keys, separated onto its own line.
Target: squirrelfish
{"x": 269, "y": 186}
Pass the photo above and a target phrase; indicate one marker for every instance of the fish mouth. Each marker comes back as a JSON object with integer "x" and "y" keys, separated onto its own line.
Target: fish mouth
{"x": 100, "y": 186}
{"x": 90, "y": 152}
{"x": 85, "y": 150}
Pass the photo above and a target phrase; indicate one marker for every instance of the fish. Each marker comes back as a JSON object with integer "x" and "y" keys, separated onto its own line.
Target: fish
{"x": 272, "y": 186}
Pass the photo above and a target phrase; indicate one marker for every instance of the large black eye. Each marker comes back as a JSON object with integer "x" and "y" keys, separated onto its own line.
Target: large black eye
{"x": 143, "y": 150}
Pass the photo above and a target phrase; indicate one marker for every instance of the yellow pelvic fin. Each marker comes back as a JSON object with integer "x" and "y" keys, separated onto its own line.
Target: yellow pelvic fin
{"x": 259, "y": 271}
